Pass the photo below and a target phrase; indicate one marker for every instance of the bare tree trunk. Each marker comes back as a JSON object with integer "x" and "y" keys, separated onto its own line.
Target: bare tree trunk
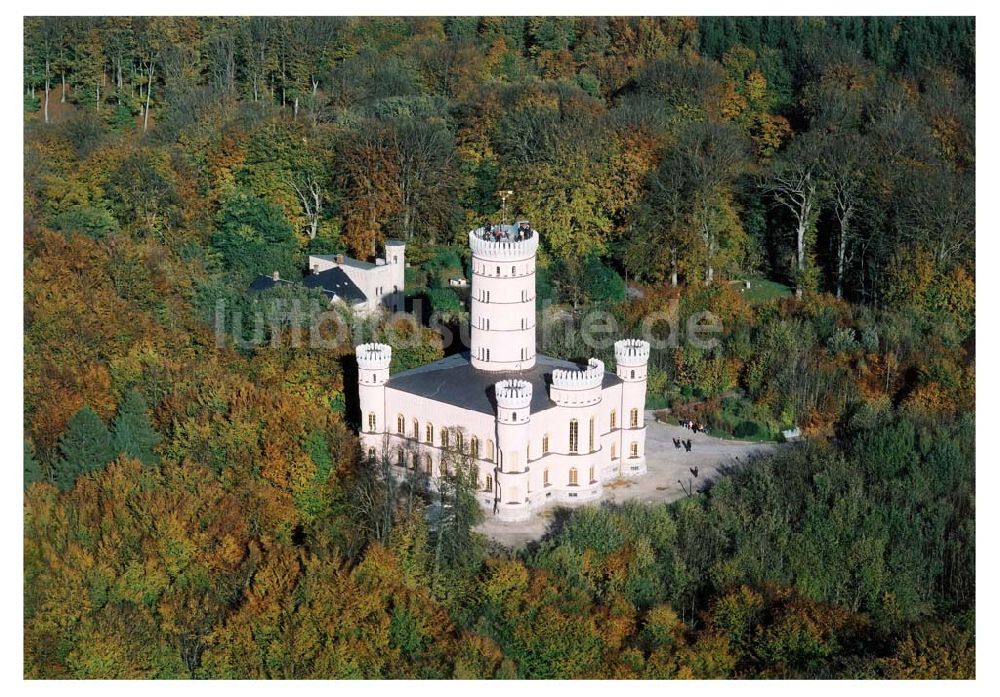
{"x": 842, "y": 251}
{"x": 62, "y": 99}
{"x": 800, "y": 256}
{"x": 98, "y": 100}
{"x": 46, "y": 90}
{"x": 149, "y": 90}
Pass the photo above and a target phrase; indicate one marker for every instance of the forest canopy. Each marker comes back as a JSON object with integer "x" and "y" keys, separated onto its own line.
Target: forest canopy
{"x": 200, "y": 508}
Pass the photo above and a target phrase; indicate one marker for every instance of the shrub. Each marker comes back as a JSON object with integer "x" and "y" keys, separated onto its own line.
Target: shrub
{"x": 748, "y": 429}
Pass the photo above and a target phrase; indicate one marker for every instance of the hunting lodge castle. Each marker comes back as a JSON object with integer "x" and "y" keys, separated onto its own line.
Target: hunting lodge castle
{"x": 534, "y": 429}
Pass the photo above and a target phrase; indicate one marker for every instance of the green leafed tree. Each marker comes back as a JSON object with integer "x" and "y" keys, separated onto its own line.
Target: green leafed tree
{"x": 32, "y": 468}
{"x": 132, "y": 433}
{"x": 84, "y": 446}
{"x": 255, "y": 238}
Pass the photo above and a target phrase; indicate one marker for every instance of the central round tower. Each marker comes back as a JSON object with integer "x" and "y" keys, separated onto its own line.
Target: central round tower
{"x": 502, "y": 314}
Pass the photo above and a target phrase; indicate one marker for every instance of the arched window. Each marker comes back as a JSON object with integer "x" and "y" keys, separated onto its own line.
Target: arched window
{"x": 489, "y": 450}
{"x": 592, "y": 480}
{"x": 633, "y": 449}
{"x": 614, "y": 419}
{"x": 459, "y": 441}
{"x": 444, "y": 437}
{"x": 400, "y": 458}
{"x": 430, "y": 433}
{"x": 489, "y": 482}
{"x": 572, "y": 476}
{"x": 574, "y": 436}
{"x": 428, "y": 467}
{"x": 545, "y": 477}
{"x": 474, "y": 448}
{"x": 592, "y": 429}
{"x": 400, "y": 425}
{"x": 371, "y": 421}
{"x": 416, "y": 430}
{"x": 371, "y": 454}
{"x": 633, "y": 375}
{"x": 633, "y": 418}
{"x": 444, "y": 468}
{"x": 545, "y": 444}
{"x": 614, "y": 451}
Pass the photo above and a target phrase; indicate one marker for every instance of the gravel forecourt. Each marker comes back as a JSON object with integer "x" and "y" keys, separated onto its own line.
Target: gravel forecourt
{"x": 669, "y": 474}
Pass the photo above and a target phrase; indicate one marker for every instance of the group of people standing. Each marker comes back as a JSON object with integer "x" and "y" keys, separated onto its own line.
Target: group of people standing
{"x": 495, "y": 232}
{"x": 695, "y": 426}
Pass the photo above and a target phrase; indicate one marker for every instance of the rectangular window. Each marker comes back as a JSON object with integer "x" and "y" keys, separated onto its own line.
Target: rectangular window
{"x": 371, "y": 421}
{"x": 545, "y": 444}
{"x": 574, "y": 436}
{"x": 592, "y": 434}
{"x": 572, "y": 476}
{"x": 614, "y": 419}
{"x": 545, "y": 477}
{"x": 592, "y": 480}
{"x": 634, "y": 449}
{"x": 634, "y": 419}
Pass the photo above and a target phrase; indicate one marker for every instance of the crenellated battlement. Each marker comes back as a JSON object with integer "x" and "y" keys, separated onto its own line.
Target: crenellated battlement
{"x": 505, "y": 248}
{"x": 632, "y": 352}
{"x": 591, "y": 376}
{"x": 373, "y": 356}
{"x": 513, "y": 394}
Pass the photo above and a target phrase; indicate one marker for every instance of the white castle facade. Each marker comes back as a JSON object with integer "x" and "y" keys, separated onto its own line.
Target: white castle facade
{"x": 534, "y": 429}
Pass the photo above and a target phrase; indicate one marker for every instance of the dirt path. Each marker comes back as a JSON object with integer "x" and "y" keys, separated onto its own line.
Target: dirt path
{"x": 667, "y": 467}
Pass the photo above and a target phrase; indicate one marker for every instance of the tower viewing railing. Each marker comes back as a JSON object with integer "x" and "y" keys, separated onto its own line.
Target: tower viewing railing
{"x": 516, "y": 240}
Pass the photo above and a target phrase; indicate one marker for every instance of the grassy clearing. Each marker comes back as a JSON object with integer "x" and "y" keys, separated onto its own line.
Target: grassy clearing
{"x": 763, "y": 290}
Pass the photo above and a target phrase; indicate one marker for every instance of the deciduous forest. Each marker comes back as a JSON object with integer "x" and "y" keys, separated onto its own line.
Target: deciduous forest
{"x": 198, "y": 507}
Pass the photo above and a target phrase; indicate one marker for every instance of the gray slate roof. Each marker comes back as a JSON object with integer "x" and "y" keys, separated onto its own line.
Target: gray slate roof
{"x": 332, "y": 282}
{"x": 335, "y": 282}
{"x": 347, "y": 261}
{"x": 453, "y": 380}
{"x": 264, "y": 282}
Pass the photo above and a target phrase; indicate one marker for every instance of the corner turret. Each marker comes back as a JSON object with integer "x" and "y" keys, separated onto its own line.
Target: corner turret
{"x": 373, "y": 372}
{"x": 632, "y": 358}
